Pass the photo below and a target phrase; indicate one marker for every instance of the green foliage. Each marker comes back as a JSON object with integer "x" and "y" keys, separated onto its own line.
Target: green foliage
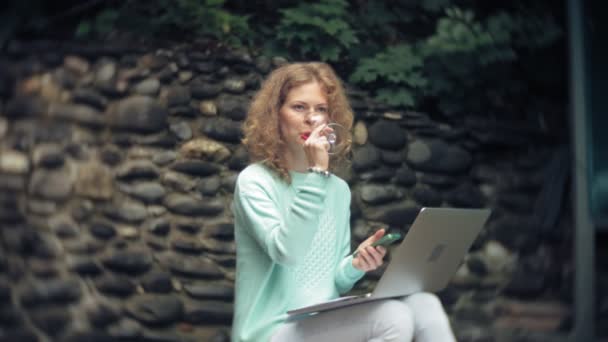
{"x": 396, "y": 72}
{"x": 317, "y": 30}
{"x": 465, "y": 57}
{"x": 102, "y": 24}
{"x": 457, "y": 65}
{"x": 455, "y": 56}
{"x": 434, "y": 5}
{"x": 199, "y": 18}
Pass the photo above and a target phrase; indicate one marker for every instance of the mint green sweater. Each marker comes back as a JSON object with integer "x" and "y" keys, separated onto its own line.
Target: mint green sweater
{"x": 293, "y": 246}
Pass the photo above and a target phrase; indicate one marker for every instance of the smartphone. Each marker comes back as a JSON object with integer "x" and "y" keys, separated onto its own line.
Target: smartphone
{"x": 384, "y": 241}
{"x": 387, "y": 239}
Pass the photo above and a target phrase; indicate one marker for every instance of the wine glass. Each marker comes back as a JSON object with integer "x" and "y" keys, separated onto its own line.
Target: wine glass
{"x": 337, "y": 138}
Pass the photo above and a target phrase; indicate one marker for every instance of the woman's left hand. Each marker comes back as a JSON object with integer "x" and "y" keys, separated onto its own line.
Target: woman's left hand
{"x": 369, "y": 258}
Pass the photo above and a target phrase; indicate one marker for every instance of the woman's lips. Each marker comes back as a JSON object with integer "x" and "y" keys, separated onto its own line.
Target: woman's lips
{"x": 305, "y": 136}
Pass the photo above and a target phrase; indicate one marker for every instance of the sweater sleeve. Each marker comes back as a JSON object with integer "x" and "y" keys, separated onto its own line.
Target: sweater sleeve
{"x": 286, "y": 240}
{"x": 346, "y": 274}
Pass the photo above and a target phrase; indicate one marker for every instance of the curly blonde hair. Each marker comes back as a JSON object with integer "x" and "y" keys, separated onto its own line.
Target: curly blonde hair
{"x": 261, "y": 127}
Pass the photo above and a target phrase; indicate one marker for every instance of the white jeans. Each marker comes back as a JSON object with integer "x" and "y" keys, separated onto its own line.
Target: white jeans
{"x": 419, "y": 316}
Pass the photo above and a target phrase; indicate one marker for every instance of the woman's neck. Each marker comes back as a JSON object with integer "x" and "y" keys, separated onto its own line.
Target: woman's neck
{"x": 296, "y": 160}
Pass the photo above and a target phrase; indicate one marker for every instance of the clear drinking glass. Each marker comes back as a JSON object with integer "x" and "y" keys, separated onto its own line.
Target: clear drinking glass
{"x": 336, "y": 138}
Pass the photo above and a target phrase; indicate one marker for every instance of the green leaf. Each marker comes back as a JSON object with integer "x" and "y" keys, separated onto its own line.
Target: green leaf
{"x": 396, "y": 97}
{"x": 84, "y": 29}
{"x": 434, "y": 5}
{"x": 330, "y": 53}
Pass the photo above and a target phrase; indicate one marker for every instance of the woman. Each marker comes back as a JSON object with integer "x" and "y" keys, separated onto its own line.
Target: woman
{"x": 292, "y": 227}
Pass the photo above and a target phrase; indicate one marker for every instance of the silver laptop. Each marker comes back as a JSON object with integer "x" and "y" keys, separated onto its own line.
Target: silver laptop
{"x": 426, "y": 259}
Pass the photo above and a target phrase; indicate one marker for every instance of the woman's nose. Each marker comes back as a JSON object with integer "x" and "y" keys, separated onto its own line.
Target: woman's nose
{"x": 314, "y": 119}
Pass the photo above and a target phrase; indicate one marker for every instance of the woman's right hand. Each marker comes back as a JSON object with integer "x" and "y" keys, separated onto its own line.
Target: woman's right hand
{"x": 316, "y": 147}
{"x": 368, "y": 257}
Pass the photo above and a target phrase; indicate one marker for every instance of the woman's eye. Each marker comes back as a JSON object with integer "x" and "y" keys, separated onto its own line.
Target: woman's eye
{"x": 299, "y": 108}
{"x": 322, "y": 110}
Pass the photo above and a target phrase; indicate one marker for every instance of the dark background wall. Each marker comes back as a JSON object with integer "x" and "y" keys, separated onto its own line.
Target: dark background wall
{"x": 117, "y": 167}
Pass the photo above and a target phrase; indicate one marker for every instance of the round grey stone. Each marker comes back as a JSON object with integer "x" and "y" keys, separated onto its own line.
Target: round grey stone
{"x": 210, "y": 291}
{"x": 239, "y": 159}
{"x": 206, "y": 67}
{"x": 387, "y": 134}
{"x": 89, "y": 97}
{"x": 223, "y": 129}
{"x": 126, "y": 211}
{"x": 148, "y": 192}
{"x": 106, "y": 72}
{"x": 139, "y": 114}
{"x": 102, "y": 229}
{"x": 94, "y": 181}
{"x": 149, "y": 87}
{"x": 160, "y": 226}
{"x": 394, "y": 158}
{"x": 190, "y": 266}
{"x": 126, "y": 329}
{"x": 14, "y": 162}
{"x": 48, "y": 155}
{"x": 379, "y": 174}
{"x": 100, "y": 312}
{"x": 229, "y": 181}
{"x": 191, "y": 206}
{"x": 233, "y": 107}
{"x": 219, "y": 246}
{"x": 178, "y": 96}
{"x": 437, "y": 156}
{"x": 136, "y": 169}
{"x": 204, "y": 90}
{"x": 163, "y": 158}
{"x": 365, "y": 158}
{"x": 263, "y": 64}
{"x": 153, "y": 309}
{"x": 84, "y": 266}
{"x": 222, "y": 231}
{"x": 64, "y": 227}
{"x": 209, "y": 186}
{"x": 398, "y": 214}
{"x": 25, "y": 106}
{"x": 187, "y": 245}
{"x": 439, "y": 181}
{"x": 128, "y": 261}
{"x": 466, "y": 195}
{"x": 183, "y": 110}
{"x": 235, "y": 85}
{"x": 178, "y": 181}
{"x": 111, "y": 155}
{"x": 195, "y": 167}
{"x": 78, "y": 113}
{"x": 208, "y": 312}
{"x": 52, "y": 291}
{"x": 418, "y": 152}
{"x": 3, "y": 127}
{"x": 56, "y": 184}
{"x": 52, "y": 321}
{"x": 191, "y": 227}
{"x": 426, "y": 196}
{"x": 405, "y": 176}
{"x": 158, "y": 282}
{"x": 119, "y": 286}
{"x": 379, "y": 194}
{"x": 181, "y": 130}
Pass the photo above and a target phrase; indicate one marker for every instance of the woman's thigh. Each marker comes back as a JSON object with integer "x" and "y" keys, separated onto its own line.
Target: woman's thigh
{"x": 385, "y": 320}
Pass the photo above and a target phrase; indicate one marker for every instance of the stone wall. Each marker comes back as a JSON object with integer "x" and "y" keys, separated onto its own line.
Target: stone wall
{"x": 116, "y": 177}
